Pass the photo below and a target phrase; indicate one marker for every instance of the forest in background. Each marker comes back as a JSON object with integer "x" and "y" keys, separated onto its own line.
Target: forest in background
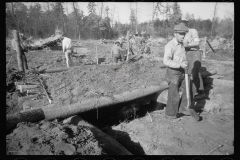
{"x": 41, "y": 21}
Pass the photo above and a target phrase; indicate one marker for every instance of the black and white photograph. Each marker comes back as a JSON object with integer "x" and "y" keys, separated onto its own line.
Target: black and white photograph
{"x": 119, "y": 78}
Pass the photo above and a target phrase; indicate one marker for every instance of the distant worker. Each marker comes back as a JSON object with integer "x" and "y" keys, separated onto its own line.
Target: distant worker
{"x": 67, "y": 49}
{"x": 175, "y": 60}
{"x": 191, "y": 43}
{"x": 131, "y": 43}
{"x": 145, "y": 46}
{"x": 117, "y": 53}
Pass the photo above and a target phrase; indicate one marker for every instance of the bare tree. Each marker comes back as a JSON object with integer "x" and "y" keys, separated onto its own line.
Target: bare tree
{"x": 230, "y": 15}
{"x": 136, "y": 17}
{"x": 76, "y": 15}
{"x": 112, "y": 15}
{"x": 215, "y": 9}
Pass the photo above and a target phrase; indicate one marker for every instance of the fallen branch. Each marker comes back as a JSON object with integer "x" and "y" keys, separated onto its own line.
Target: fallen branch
{"x": 214, "y": 149}
{"x": 49, "y": 100}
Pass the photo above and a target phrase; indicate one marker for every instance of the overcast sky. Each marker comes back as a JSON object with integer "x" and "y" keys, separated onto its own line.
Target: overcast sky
{"x": 203, "y": 10}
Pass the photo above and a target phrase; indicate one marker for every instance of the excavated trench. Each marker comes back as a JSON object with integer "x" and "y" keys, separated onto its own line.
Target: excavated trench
{"x": 106, "y": 117}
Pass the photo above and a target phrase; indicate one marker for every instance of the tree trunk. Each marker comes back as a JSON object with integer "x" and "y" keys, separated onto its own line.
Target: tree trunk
{"x": 19, "y": 51}
{"x": 213, "y": 18}
{"x": 75, "y": 11}
{"x": 136, "y": 16}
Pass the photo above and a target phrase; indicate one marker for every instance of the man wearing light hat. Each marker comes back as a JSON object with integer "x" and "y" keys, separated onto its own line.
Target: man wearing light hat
{"x": 117, "y": 52}
{"x": 191, "y": 43}
{"x": 175, "y": 60}
{"x": 67, "y": 49}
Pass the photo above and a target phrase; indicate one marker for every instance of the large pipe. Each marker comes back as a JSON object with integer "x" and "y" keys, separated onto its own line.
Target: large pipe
{"x": 52, "y": 112}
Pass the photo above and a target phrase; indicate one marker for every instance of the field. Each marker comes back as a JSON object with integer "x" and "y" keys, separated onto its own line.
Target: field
{"x": 141, "y": 128}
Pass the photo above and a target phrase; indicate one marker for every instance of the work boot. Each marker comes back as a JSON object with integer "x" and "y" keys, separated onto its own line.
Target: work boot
{"x": 199, "y": 96}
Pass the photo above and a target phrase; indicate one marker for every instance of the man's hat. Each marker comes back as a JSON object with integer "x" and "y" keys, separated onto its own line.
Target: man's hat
{"x": 184, "y": 20}
{"x": 117, "y": 41}
{"x": 180, "y": 28}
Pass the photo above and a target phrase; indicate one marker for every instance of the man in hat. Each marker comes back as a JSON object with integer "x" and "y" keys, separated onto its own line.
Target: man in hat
{"x": 67, "y": 49}
{"x": 191, "y": 43}
{"x": 117, "y": 52}
{"x": 175, "y": 59}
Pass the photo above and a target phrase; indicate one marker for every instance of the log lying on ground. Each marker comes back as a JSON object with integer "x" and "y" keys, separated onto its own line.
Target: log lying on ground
{"x": 50, "y": 112}
{"x": 108, "y": 144}
{"x": 54, "y": 70}
{"x": 23, "y": 88}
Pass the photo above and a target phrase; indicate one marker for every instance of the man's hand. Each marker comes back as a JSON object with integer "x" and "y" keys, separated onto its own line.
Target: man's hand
{"x": 184, "y": 65}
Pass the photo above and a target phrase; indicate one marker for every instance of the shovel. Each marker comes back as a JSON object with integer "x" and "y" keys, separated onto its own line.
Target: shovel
{"x": 191, "y": 111}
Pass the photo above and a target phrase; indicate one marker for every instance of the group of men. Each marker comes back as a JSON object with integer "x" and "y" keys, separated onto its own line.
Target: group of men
{"x": 182, "y": 53}
{"x": 137, "y": 44}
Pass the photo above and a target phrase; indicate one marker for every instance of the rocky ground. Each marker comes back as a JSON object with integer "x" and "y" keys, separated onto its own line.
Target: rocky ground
{"x": 141, "y": 129}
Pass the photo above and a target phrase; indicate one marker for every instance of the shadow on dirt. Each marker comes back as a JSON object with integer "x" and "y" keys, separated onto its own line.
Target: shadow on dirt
{"x": 101, "y": 60}
{"x": 135, "y": 58}
{"x": 104, "y": 118}
{"x": 124, "y": 139}
{"x": 56, "y": 48}
{"x": 208, "y": 86}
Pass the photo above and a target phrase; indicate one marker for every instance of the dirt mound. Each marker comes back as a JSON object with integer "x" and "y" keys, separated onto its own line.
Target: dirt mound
{"x": 49, "y": 138}
{"x": 89, "y": 81}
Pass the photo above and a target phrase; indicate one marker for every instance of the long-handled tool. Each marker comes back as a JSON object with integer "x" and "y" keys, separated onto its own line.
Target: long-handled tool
{"x": 210, "y": 46}
{"x": 191, "y": 111}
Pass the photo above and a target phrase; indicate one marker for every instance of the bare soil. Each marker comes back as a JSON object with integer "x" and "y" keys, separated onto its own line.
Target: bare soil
{"x": 140, "y": 128}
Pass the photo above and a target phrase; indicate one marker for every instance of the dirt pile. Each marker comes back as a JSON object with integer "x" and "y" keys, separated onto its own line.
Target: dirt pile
{"x": 52, "y": 138}
{"x": 89, "y": 81}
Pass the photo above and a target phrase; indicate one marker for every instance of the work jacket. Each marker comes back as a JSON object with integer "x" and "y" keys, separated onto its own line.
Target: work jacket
{"x": 174, "y": 55}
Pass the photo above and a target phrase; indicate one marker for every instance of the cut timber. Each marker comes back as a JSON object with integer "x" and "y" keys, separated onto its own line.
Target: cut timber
{"x": 23, "y": 88}
{"x": 54, "y": 70}
{"x": 50, "y": 112}
{"x": 109, "y": 144}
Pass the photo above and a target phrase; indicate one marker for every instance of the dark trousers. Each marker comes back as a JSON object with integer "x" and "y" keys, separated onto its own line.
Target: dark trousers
{"x": 194, "y": 65}
{"x": 116, "y": 57}
{"x": 176, "y": 81}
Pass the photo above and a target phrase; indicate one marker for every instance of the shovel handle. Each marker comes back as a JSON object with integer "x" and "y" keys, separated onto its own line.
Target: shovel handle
{"x": 187, "y": 87}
